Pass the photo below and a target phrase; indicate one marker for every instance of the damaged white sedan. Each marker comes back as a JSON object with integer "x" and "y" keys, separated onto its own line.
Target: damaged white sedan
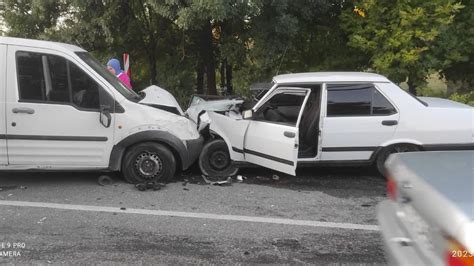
{"x": 329, "y": 118}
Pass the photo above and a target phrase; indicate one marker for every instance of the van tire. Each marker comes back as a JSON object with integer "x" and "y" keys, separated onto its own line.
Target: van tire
{"x": 148, "y": 162}
{"x": 397, "y": 148}
{"x": 215, "y": 160}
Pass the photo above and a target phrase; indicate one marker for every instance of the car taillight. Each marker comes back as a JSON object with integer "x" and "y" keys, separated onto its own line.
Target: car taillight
{"x": 457, "y": 255}
{"x": 391, "y": 189}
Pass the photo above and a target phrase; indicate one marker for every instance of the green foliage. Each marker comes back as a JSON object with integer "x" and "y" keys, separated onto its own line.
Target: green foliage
{"x": 467, "y": 98}
{"x": 31, "y": 18}
{"x": 171, "y": 42}
{"x": 399, "y": 35}
{"x": 454, "y": 51}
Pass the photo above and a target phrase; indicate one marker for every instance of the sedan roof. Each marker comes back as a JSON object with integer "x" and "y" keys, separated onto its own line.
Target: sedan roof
{"x": 320, "y": 77}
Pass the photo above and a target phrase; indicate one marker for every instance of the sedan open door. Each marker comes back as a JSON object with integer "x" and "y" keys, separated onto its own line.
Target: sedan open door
{"x": 271, "y": 139}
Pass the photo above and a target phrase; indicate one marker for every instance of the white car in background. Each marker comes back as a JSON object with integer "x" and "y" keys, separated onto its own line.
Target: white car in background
{"x": 330, "y": 118}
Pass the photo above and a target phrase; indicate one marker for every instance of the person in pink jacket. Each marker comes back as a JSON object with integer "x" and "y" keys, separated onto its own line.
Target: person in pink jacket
{"x": 114, "y": 67}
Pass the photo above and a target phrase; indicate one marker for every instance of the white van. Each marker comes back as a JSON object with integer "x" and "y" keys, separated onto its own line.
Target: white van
{"x": 61, "y": 109}
{"x": 329, "y": 118}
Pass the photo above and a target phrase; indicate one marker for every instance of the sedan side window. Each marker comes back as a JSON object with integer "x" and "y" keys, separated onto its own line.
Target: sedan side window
{"x": 380, "y": 105}
{"x": 356, "y": 100}
{"x": 281, "y": 108}
{"x": 45, "y": 78}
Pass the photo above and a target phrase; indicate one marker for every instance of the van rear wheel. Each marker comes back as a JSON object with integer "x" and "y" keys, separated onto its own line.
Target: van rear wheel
{"x": 148, "y": 162}
{"x": 398, "y": 148}
{"x": 215, "y": 159}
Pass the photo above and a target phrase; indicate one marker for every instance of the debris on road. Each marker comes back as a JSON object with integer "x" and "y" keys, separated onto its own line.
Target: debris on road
{"x": 105, "y": 180}
{"x": 262, "y": 178}
{"x": 241, "y": 178}
{"x": 275, "y": 177}
{"x": 187, "y": 189}
{"x": 5, "y": 188}
{"x": 42, "y": 220}
{"x": 217, "y": 182}
{"x": 149, "y": 185}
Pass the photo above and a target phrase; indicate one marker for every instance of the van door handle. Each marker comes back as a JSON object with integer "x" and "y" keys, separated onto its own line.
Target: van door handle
{"x": 289, "y": 134}
{"x": 390, "y": 122}
{"x": 23, "y": 110}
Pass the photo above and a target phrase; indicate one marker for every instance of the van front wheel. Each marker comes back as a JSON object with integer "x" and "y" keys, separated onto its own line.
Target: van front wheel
{"x": 148, "y": 162}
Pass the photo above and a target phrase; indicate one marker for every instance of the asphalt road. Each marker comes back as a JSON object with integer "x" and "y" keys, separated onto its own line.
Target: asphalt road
{"x": 303, "y": 219}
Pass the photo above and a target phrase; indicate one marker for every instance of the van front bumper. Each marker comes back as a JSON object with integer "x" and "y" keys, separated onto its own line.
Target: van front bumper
{"x": 193, "y": 147}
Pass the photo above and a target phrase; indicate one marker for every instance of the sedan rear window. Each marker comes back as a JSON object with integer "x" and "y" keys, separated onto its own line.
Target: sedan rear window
{"x": 357, "y": 100}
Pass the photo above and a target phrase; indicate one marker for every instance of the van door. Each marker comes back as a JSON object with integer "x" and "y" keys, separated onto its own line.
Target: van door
{"x": 3, "y": 131}
{"x": 271, "y": 139}
{"x": 358, "y": 119}
{"x": 52, "y": 112}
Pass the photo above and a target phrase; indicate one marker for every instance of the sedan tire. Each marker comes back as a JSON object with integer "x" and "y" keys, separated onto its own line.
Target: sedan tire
{"x": 215, "y": 159}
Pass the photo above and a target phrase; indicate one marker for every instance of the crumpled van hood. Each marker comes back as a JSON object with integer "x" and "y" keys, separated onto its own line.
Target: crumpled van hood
{"x": 161, "y": 98}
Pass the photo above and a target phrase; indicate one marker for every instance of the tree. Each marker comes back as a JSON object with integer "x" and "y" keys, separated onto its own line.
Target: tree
{"x": 292, "y": 36}
{"x": 454, "y": 51}
{"x": 399, "y": 35}
{"x": 2, "y": 22}
{"x": 209, "y": 25}
{"x": 31, "y": 18}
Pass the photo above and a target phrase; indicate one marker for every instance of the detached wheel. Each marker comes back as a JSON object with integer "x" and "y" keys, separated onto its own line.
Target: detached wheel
{"x": 215, "y": 159}
{"x": 148, "y": 162}
{"x": 382, "y": 157}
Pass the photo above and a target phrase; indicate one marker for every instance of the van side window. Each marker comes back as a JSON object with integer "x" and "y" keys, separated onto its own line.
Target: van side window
{"x": 47, "y": 78}
{"x": 356, "y": 100}
{"x": 31, "y": 81}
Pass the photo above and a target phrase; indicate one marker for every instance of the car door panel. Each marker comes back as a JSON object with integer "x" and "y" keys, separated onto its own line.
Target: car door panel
{"x": 54, "y": 134}
{"x": 3, "y": 141}
{"x": 350, "y": 136}
{"x": 274, "y": 144}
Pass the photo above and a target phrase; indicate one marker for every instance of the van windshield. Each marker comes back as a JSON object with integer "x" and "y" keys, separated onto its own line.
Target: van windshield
{"x": 112, "y": 79}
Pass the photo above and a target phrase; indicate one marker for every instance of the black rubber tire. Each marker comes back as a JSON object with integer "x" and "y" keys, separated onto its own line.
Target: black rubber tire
{"x": 214, "y": 159}
{"x": 397, "y": 148}
{"x": 105, "y": 180}
{"x": 137, "y": 154}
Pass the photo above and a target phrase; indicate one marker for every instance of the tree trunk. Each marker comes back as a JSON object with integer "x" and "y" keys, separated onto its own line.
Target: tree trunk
{"x": 211, "y": 77}
{"x": 200, "y": 79}
{"x": 153, "y": 70}
{"x": 411, "y": 86}
{"x": 208, "y": 52}
{"x": 222, "y": 73}
{"x": 228, "y": 71}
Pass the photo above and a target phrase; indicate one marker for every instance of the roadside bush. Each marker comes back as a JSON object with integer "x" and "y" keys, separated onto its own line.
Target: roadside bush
{"x": 467, "y": 98}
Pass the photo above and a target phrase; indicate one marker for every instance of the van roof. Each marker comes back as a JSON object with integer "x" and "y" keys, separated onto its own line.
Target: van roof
{"x": 41, "y": 44}
{"x": 319, "y": 77}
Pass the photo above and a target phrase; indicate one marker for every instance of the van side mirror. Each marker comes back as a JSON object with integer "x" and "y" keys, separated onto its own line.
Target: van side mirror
{"x": 105, "y": 117}
{"x": 247, "y": 114}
